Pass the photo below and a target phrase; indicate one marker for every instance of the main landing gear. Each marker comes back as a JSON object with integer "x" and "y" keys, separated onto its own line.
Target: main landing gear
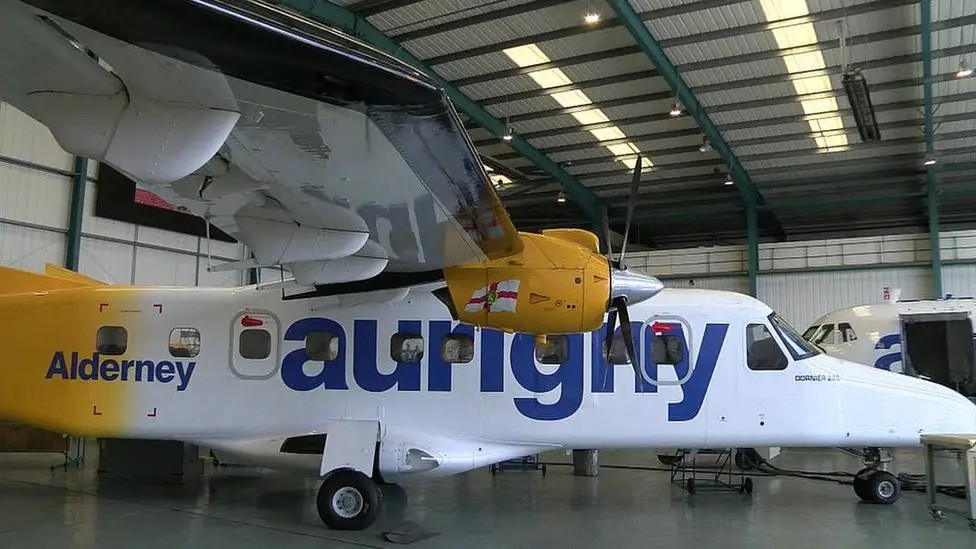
{"x": 874, "y": 484}
{"x": 348, "y": 500}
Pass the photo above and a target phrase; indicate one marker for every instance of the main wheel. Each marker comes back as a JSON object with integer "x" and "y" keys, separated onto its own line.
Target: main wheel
{"x": 861, "y": 483}
{"x": 882, "y": 487}
{"x": 348, "y": 500}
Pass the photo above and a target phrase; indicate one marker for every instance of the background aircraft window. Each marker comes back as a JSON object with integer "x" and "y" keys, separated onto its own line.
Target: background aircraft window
{"x": 554, "y": 351}
{"x": 847, "y": 332}
{"x": 321, "y": 345}
{"x": 808, "y": 335}
{"x": 457, "y": 348}
{"x": 255, "y": 344}
{"x": 666, "y": 349}
{"x": 112, "y": 340}
{"x": 798, "y": 347}
{"x": 824, "y": 335}
{"x": 184, "y": 342}
{"x": 763, "y": 353}
{"x": 407, "y": 347}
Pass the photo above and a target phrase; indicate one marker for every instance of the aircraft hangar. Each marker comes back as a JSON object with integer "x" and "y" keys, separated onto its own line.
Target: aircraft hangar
{"x": 815, "y": 155}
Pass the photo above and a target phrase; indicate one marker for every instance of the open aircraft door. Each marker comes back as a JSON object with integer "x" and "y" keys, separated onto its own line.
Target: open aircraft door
{"x": 939, "y": 347}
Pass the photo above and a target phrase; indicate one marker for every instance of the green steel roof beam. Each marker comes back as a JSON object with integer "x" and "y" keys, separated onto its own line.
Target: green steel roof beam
{"x": 931, "y": 181}
{"x": 358, "y": 26}
{"x": 650, "y": 46}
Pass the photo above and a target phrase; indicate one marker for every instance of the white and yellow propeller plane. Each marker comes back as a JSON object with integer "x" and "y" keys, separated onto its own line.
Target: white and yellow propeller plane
{"x": 431, "y": 337}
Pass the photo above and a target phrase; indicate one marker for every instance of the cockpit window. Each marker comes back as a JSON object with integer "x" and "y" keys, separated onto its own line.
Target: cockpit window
{"x": 798, "y": 347}
{"x": 762, "y": 351}
{"x": 847, "y": 332}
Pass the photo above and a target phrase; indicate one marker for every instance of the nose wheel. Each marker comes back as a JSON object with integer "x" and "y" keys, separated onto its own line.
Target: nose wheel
{"x": 877, "y": 486}
{"x": 348, "y": 500}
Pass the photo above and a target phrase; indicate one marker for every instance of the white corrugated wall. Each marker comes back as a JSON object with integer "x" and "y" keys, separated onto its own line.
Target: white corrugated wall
{"x": 35, "y": 195}
{"x": 804, "y": 280}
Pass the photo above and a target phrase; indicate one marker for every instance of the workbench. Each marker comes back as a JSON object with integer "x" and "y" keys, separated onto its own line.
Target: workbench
{"x": 966, "y": 446}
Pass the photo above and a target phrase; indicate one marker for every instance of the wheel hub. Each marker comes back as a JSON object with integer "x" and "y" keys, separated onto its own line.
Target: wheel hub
{"x": 347, "y": 502}
{"x": 886, "y": 489}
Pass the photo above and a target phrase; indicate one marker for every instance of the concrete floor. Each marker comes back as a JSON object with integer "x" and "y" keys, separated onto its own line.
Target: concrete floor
{"x": 243, "y": 508}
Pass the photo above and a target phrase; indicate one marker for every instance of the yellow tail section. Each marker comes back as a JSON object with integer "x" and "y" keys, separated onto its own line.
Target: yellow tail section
{"x": 15, "y": 281}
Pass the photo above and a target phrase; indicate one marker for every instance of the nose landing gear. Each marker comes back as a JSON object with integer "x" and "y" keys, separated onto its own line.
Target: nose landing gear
{"x": 877, "y": 486}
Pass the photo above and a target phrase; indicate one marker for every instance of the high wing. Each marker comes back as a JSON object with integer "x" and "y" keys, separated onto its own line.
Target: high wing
{"x": 319, "y": 153}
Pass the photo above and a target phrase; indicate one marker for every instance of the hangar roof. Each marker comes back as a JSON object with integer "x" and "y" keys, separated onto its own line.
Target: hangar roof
{"x": 768, "y": 74}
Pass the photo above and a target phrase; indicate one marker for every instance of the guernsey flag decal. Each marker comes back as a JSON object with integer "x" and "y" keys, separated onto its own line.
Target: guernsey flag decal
{"x": 497, "y": 297}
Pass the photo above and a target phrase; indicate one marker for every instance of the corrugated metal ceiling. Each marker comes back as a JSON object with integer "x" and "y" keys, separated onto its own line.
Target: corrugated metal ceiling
{"x": 727, "y": 53}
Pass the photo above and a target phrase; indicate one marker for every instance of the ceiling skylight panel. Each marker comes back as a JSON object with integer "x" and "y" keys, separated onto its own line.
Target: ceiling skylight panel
{"x": 530, "y": 55}
{"x": 796, "y": 36}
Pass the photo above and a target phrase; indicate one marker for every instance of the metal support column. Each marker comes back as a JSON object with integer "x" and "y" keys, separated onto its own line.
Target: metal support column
{"x": 76, "y": 213}
{"x": 586, "y": 463}
{"x": 752, "y": 248}
{"x": 931, "y": 181}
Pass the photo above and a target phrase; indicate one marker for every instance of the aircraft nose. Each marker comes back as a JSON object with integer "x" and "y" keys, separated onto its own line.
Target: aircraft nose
{"x": 634, "y": 287}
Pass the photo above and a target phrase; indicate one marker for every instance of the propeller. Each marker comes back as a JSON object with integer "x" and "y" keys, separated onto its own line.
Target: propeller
{"x": 622, "y": 281}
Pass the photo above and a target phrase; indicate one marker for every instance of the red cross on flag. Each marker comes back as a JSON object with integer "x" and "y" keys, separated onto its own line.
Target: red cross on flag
{"x": 496, "y": 297}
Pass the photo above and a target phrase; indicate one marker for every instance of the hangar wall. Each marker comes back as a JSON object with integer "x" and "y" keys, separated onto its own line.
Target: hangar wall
{"x": 35, "y": 197}
{"x": 803, "y": 280}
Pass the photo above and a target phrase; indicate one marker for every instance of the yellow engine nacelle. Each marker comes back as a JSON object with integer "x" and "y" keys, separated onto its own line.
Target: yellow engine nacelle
{"x": 558, "y": 284}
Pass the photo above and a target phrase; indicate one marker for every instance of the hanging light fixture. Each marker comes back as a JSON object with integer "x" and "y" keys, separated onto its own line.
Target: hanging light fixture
{"x": 728, "y": 180}
{"x": 561, "y": 197}
{"x": 929, "y": 161}
{"x": 675, "y": 109}
{"x": 704, "y": 146}
{"x": 591, "y": 17}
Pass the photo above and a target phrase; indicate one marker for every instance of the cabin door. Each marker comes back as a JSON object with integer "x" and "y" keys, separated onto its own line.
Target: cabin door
{"x": 254, "y": 345}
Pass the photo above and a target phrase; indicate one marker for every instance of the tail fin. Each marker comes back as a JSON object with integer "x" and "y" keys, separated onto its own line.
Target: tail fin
{"x": 16, "y": 281}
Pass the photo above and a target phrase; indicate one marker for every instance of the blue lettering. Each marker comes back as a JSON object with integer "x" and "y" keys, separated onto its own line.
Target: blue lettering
{"x": 57, "y": 367}
{"x": 568, "y": 378}
{"x": 165, "y": 371}
{"x": 439, "y": 371}
{"x": 95, "y": 368}
{"x": 364, "y": 366}
{"x": 885, "y": 362}
{"x": 697, "y": 385}
{"x": 88, "y": 368}
{"x": 109, "y": 370}
{"x": 333, "y": 372}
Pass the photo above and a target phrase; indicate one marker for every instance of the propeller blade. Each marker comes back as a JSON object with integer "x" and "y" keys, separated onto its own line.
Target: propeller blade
{"x": 611, "y": 326}
{"x": 627, "y": 333}
{"x": 606, "y": 233}
{"x": 634, "y": 188}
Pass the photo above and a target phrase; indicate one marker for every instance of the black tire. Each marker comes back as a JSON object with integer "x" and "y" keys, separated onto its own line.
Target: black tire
{"x": 882, "y": 487}
{"x": 348, "y": 500}
{"x": 690, "y": 486}
{"x": 861, "y": 485}
{"x": 747, "y": 486}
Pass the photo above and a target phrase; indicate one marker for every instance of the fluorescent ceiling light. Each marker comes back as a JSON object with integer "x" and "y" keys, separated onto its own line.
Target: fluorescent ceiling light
{"x": 807, "y": 62}
{"x": 530, "y": 55}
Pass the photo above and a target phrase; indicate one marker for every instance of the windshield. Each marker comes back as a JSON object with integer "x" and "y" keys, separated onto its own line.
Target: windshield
{"x": 807, "y": 335}
{"x": 798, "y": 347}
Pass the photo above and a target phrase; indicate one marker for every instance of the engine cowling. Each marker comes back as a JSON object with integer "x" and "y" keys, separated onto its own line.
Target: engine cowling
{"x": 558, "y": 284}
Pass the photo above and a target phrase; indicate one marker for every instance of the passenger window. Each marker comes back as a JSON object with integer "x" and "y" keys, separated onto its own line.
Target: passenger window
{"x": 112, "y": 340}
{"x": 184, "y": 342}
{"x": 457, "y": 348}
{"x": 666, "y": 349}
{"x": 763, "y": 353}
{"x": 847, "y": 332}
{"x": 407, "y": 347}
{"x": 321, "y": 345}
{"x": 255, "y": 344}
{"x": 555, "y": 350}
